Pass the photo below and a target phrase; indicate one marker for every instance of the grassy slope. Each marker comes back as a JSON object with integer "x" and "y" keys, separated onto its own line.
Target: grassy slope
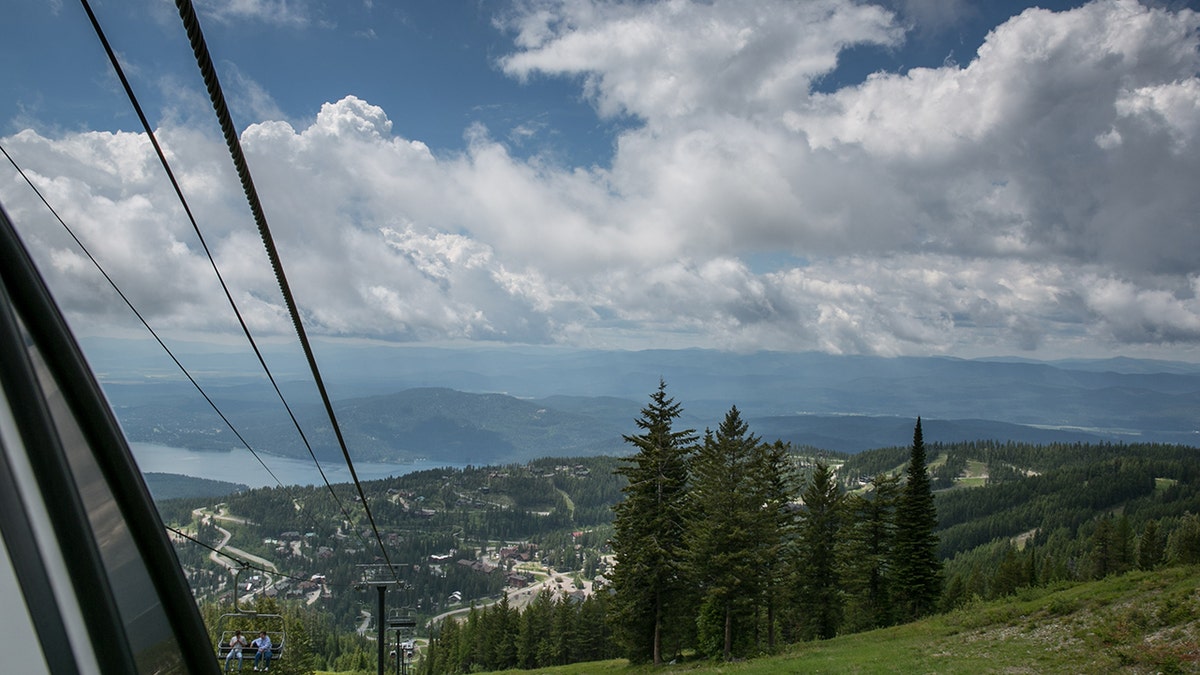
{"x": 1136, "y": 623}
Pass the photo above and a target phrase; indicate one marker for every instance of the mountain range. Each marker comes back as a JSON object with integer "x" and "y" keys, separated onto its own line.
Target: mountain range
{"x": 485, "y": 406}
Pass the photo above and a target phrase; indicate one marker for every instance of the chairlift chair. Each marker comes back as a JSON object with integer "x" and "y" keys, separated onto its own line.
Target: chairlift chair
{"x": 402, "y": 618}
{"x": 250, "y": 622}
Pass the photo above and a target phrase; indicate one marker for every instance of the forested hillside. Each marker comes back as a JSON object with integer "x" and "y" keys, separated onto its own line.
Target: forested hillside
{"x": 457, "y": 536}
{"x": 1072, "y": 511}
{"x": 166, "y": 486}
{"x": 530, "y": 545}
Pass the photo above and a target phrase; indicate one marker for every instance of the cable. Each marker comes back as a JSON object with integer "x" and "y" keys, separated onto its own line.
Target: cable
{"x": 200, "y": 49}
{"x": 112, "y": 57}
{"x": 151, "y": 330}
{"x": 191, "y": 24}
{"x": 244, "y": 563}
{"x": 245, "y": 329}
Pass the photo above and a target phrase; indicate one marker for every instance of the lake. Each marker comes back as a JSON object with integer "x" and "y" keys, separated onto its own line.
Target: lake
{"x": 221, "y": 465}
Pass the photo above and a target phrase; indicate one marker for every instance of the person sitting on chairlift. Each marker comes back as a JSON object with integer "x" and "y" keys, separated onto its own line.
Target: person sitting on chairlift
{"x": 236, "y": 643}
{"x": 263, "y": 643}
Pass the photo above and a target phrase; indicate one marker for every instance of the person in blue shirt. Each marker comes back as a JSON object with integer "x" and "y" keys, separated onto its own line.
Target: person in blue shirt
{"x": 263, "y": 644}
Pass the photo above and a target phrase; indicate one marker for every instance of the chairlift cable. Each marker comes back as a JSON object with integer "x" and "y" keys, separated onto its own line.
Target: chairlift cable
{"x": 191, "y": 24}
{"x": 135, "y": 311}
{"x": 245, "y": 329}
{"x": 204, "y": 244}
{"x": 183, "y": 369}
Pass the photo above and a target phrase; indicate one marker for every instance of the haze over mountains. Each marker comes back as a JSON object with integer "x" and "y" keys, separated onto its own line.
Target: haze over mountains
{"x": 512, "y": 404}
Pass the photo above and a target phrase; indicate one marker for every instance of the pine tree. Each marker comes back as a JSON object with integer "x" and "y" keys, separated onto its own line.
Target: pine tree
{"x": 1151, "y": 548}
{"x": 651, "y": 591}
{"x": 534, "y": 649}
{"x": 594, "y": 642}
{"x": 1103, "y": 548}
{"x": 1010, "y": 574}
{"x": 1123, "y": 545}
{"x": 501, "y": 636}
{"x": 444, "y": 648}
{"x": 723, "y": 537}
{"x": 868, "y": 575}
{"x": 820, "y": 601}
{"x": 1183, "y": 546}
{"x": 775, "y": 481}
{"x": 918, "y": 568}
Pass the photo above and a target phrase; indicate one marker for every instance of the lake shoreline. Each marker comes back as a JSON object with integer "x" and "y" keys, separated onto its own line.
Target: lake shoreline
{"x": 239, "y": 465}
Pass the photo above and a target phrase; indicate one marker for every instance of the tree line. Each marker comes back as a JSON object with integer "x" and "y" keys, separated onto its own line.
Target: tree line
{"x": 554, "y": 630}
{"x": 715, "y": 554}
{"x": 1058, "y": 512}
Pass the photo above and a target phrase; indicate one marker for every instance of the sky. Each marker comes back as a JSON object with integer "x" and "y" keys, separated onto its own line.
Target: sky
{"x": 911, "y": 177}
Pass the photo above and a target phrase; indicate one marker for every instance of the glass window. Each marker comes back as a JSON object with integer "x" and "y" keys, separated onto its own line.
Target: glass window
{"x": 147, "y": 627}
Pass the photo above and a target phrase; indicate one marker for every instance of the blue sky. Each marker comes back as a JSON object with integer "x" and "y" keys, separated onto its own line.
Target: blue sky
{"x": 431, "y": 65}
{"x": 908, "y": 177}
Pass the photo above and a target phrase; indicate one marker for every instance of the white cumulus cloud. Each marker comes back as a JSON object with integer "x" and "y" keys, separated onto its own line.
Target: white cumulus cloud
{"x": 1040, "y": 197}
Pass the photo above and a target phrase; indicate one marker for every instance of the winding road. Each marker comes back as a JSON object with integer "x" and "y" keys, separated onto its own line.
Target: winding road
{"x": 204, "y": 515}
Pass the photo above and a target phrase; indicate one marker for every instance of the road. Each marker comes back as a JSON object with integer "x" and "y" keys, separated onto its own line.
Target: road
{"x": 226, "y": 535}
{"x": 206, "y": 516}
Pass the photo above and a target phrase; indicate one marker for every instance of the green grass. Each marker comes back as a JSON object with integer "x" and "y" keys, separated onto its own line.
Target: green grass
{"x": 1136, "y": 623}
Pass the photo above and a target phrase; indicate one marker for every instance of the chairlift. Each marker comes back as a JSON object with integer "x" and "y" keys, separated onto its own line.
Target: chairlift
{"x": 250, "y": 623}
{"x": 402, "y": 618}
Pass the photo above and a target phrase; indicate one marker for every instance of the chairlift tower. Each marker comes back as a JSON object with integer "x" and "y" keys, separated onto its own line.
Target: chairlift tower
{"x": 381, "y": 577}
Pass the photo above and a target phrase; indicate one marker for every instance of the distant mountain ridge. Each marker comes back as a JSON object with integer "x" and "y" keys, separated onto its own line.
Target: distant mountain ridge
{"x": 856, "y": 433}
{"x": 480, "y": 428}
{"x": 398, "y": 403}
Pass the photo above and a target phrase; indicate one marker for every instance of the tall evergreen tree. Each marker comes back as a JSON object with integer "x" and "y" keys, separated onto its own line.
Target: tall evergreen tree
{"x": 819, "y": 589}
{"x": 868, "y": 572}
{"x": 1151, "y": 548}
{"x": 1103, "y": 553}
{"x": 722, "y": 537}
{"x": 918, "y": 568}
{"x": 651, "y": 591}
{"x": 501, "y": 635}
{"x": 593, "y": 629}
{"x": 1183, "y": 545}
{"x": 536, "y": 626}
{"x": 1123, "y": 544}
{"x": 1010, "y": 574}
{"x": 775, "y": 481}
